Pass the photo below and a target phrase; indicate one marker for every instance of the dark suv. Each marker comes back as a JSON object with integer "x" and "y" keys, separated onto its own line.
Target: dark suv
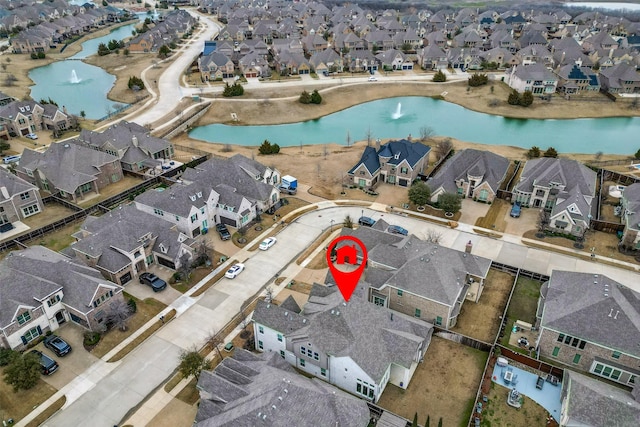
{"x": 156, "y": 283}
{"x": 223, "y": 232}
{"x": 47, "y": 365}
{"x": 366, "y": 221}
{"x": 57, "y": 345}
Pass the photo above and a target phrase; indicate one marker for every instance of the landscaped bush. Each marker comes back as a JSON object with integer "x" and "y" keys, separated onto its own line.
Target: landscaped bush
{"x": 132, "y": 305}
{"x": 234, "y": 90}
{"x": 135, "y": 83}
{"x": 7, "y": 355}
{"x": 305, "y": 97}
{"x": 268, "y": 148}
{"x": 478, "y": 79}
{"x": 91, "y": 339}
{"x": 439, "y": 77}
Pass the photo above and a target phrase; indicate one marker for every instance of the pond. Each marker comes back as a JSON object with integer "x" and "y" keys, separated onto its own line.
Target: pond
{"x": 404, "y": 116}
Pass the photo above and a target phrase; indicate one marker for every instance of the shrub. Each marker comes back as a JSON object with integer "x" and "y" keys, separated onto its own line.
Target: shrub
{"x": 514, "y": 98}
{"x": 534, "y": 152}
{"x": 275, "y": 149}
{"x": 439, "y": 77}
{"x": 7, "y": 355}
{"x": 34, "y": 55}
{"x": 526, "y": 99}
{"x": 135, "y": 83}
{"x": 234, "y": 90}
{"x": 265, "y": 148}
{"x": 551, "y": 152}
{"x": 91, "y": 338}
{"x": 41, "y": 55}
{"x": 132, "y": 305}
{"x": 478, "y": 79}
{"x": 419, "y": 193}
{"x": 316, "y": 98}
{"x": 305, "y": 97}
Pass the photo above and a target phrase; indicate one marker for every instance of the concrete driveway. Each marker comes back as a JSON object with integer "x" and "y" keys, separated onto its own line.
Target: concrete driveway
{"x": 73, "y": 364}
{"x": 528, "y": 221}
{"x": 471, "y": 211}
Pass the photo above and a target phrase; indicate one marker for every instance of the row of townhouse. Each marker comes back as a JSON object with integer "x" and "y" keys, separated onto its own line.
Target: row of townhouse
{"x": 42, "y": 26}
{"x": 170, "y": 28}
{"x": 19, "y": 118}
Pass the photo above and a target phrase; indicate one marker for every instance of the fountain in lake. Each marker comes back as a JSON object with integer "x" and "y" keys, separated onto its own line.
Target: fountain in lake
{"x": 74, "y": 77}
{"x": 398, "y": 113}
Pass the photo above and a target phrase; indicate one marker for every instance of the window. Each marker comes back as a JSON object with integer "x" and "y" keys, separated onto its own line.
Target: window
{"x": 417, "y": 313}
{"x": 177, "y": 218}
{"x": 399, "y": 292}
{"x": 53, "y": 300}
{"x": 379, "y": 301}
{"x": 616, "y": 355}
{"x": 576, "y": 358}
{"x": 632, "y": 379}
{"x": 567, "y": 339}
{"x": 302, "y": 363}
{"x": 438, "y": 320}
{"x": 560, "y": 337}
{"x": 282, "y": 353}
{"x": 556, "y": 351}
{"x": 404, "y": 170}
{"x": 260, "y": 345}
{"x": 280, "y": 337}
{"x": 194, "y": 218}
{"x": 615, "y": 375}
{"x": 323, "y": 372}
{"x": 598, "y": 368}
{"x": 303, "y": 350}
{"x": 25, "y": 196}
{"x": 582, "y": 344}
{"x": 23, "y": 318}
{"x": 30, "y": 210}
{"x": 261, "y": 329}
{"x": 31, "y": 334}
{"x": 316, "y": 356}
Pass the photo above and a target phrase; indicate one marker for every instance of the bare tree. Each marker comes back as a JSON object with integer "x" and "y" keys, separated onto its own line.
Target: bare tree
{"x": 426, "y": 133}
{"x": 325, "y": 151}
{"x": 369, "y": 136}
{"x": 348, "y": 139}
{"x": 185, "y": 267}
{"x": 433, "y": 236}
{"x": 269, "y": 291}
{"x": 543, "y": 220}
{"x": 227, "y": 148}
{"x": 204, "y": 253}
{"x": 598, "y": 155}
{"x": 443, "y": 147}
{"x": 10, "y": 80}
{"x": 119, "y": 314}
{"x": 214, "y": 340}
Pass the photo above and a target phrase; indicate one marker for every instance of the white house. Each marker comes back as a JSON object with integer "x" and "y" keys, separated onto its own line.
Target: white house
{"x": 357, "y": 346}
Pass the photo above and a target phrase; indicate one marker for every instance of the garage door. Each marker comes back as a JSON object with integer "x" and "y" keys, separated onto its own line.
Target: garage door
{"x": 167, "y": 263}
{"x": 403, "y": 182}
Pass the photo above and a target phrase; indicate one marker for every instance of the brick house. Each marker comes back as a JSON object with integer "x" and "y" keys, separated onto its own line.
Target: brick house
{"x": 590, "y": 323}
{"x": 19, "y": 199}
{"x": 41, "y": 289}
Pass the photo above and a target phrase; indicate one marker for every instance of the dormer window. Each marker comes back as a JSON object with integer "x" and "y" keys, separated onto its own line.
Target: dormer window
{"x": 163, "y": 249}
{"x": 199, "y": 194}
{"x": 397, "y": 156}
{"x": 193, "y": 198}
{"x": 23, "y": 318}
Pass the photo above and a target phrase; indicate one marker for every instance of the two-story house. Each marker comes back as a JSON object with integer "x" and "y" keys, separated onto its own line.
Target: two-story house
{"x": 470, "y": 173}
{"x": 73, "y": 171}
{"x": 19, "y": 199}
{"x": 131, "y": 143}
{"x": 253, "y": 389}
{"x": 22, "y": 117}
{"x": 419, "y": 278}
{"x": 356, "y": 346}
{"x": 621, "y": 78}
{"x": 41, "y": 289}
{"x": 590, "y": 323}
{"x": 564, "y": 187}
{"x": 215, "y": 66}
{"x": 125, "y": 242}
{"x": 535, "y": 78}
{"x": 396, "y": 162}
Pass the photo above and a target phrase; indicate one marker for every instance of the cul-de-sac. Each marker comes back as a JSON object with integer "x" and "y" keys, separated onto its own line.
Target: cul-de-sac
{"x": 189, "y": 190}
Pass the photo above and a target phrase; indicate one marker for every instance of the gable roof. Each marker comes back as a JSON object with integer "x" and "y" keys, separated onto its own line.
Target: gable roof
{"x": 486, "y": 164}
{"x": 251, "y": 390}
{"x": 13, "y": 184}
{"x": 394, "y": 153}
{"x": 591, "y": 307}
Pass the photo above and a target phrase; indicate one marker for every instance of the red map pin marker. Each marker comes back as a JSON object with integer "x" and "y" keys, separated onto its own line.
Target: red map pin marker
{"x": 347, "y": 255}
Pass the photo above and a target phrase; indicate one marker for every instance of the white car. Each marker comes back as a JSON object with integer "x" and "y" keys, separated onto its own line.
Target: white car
{"x": 31, "y": 136}
{"x": 373, "y": 79}
{"x": 267, "y": 243}
{"x": 234, "y": 271}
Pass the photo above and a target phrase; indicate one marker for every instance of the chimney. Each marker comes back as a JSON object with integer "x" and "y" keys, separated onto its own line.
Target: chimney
{"x": 4, "y": 192}
{"x": 377, "y": 144}
{"x": 134, "y": 140}
{"x": 64, "y": 109}
{"x": 636, "y": 393}
{"x": 611, "y": 53}
{"x": 468, "y": 247}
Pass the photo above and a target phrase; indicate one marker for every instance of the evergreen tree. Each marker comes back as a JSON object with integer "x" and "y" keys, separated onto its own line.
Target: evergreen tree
{"x": 305, "y": 97}
{"x": 514, "y": 98}
{"x": 316, "y": 98}
{"x": 439, "y": 77}
{"x": 526, "y": 99}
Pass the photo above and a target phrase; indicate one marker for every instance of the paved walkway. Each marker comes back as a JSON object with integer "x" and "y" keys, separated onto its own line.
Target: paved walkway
{"x": 108, "y": 390}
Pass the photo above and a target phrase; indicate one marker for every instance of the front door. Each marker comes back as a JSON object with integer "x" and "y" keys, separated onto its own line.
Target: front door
{"x": 60, "y": 317}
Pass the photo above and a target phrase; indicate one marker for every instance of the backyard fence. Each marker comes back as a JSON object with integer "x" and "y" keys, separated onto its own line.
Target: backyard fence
{"x": 532, "y": 363}
{"x": 462, "y": 339}
{"x": 619, "y": 178}
{"x": 606, "y": 226}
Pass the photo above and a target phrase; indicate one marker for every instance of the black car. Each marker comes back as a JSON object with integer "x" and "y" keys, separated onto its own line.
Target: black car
{"x": 366, "y": 221}
{"x": 223, "y": 232}
{"x": 57, "y": 345}
{"x": 156, "y": 283}
{"x": 47, "y": 365}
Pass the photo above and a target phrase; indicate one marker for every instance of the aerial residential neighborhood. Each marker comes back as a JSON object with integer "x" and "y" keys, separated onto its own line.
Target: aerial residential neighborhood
{"x": 272, "y": 213}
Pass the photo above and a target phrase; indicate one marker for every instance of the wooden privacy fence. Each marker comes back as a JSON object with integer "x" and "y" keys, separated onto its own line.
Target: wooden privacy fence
{"x": 532, "y": 363}
{"x": 462, "y": 339}
{"x": 605, "y": 226}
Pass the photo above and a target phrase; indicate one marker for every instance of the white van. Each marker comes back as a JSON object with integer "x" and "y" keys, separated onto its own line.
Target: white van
{"x": 11, "y": 159}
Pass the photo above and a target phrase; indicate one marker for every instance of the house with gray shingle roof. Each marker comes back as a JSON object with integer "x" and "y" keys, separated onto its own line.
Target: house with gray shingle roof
{"x": 125, "y": 242}
{"x": 73, "y": 171}
{"x": 574, "y": 79}
{"x": 563, "y": 187}
{"x": 589, "y": 402}
{"x": 215, "y": 66}
{"x": 470, "y": 173}
{"x": 250, "y": 389}
{"x": 535, "y": 78}
{"x": 630, "y": 202}
{"x": 41, "y": 289}
{"x": 396, "y": 162}
{"x": 331, "y": 340}
{"x": 591, "y": 323}
{"x": 418, "y": 278}
{"x": 131, "y": 143}
{"x": 21, "y": 117}
{"x": 19, "y": 199}
{"x": 621, "y": 78}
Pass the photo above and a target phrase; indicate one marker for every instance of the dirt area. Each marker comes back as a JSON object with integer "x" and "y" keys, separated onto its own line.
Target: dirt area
{"x": 608, "y": 204}
{"x": 52, "y": 212}
{"x": 18, "y": 404}
{"x": 440, "y": 388}
{"x": 494, "y": 219}
{"x": 481, "y": 320}
{"x": 175, "y": 414}
{"x": 496, "y": 412}
{"x": 111, "y": 190}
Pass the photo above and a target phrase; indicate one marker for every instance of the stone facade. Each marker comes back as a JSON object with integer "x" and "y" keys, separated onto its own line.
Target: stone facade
{"x": 407, "y": 303}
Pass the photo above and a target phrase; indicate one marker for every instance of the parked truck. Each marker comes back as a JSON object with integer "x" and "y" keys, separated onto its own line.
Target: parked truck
{"x": 289, "y": 185}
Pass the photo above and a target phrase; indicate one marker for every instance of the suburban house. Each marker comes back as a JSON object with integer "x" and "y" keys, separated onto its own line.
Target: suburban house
{"x": 215, "y": 66}
{"x": 73, "y": 171}
{"x": 564, "y": 187}
{"x": 535, "y": 78}
{"x": 396, "y": 162}
{"x": 248, "y": 389}
{"x": 230, "y": 191}
{"x": 476, "y": 174}
{"x": 621, "y": 78}
{"x": 125, "y": 242}
{"x": 131, "y": 143}
{"x": 631, "y": 214}
{"x": 576, "y": 78}
{"x": 23, "y": 117}
{"x": 356, "y": 346}
{"x": 589, "y": 402}
{"x": 590, "y": 323}
{"x": 419, "y": 278}
{"x": 19, "y": 199}
{"x": 41, "y": 289}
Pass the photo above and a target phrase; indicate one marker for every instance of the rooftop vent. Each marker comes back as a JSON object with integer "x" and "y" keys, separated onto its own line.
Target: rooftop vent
{"x": 286, "y": 313}
{"x": 611, "y": 312}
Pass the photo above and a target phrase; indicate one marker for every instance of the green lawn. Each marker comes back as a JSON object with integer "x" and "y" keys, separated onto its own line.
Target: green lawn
{"x": 523, "y": 306}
